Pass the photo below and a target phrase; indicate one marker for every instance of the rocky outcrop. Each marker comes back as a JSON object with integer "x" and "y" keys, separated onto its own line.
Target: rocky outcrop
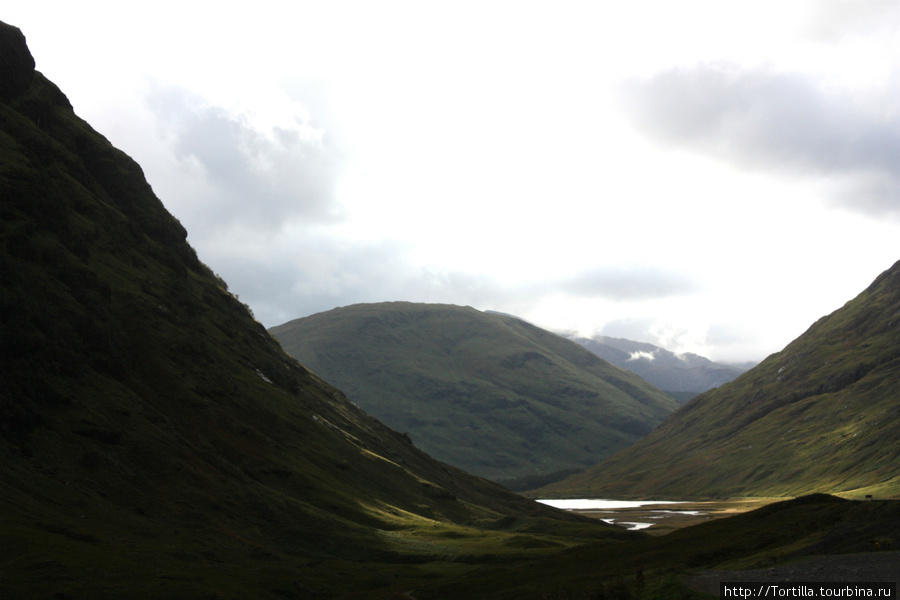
{"x": 16, "y": 62}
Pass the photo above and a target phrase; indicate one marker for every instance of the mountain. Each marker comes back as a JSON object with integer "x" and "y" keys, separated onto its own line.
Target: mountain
{"x": 487, "y": 392}
{"x": 822, "y": 415}
{"x": 156, "y": 441}
{"x": 682, "y": 376}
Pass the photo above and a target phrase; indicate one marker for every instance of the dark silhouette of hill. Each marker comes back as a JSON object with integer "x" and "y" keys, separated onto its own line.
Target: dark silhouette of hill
{"x": 156, "y": 440}
{"x": 487, "y": 392}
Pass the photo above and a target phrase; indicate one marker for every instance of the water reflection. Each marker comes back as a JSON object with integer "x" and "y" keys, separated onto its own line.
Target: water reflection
{"x": 599, "y": 504}
{"x": 628, "y": 507}
{"x": 629, "y": 525}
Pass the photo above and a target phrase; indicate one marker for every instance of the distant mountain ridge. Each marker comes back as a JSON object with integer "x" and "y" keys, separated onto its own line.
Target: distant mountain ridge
{"x": 487, "y": 392}
{"x": 680, "y": 375}
{"x": 822, "y": 415}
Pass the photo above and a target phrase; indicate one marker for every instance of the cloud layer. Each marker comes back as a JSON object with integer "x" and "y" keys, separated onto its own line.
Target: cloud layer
{"x": 490, "y": 154}
{"x": 634, "y": 283}
{"x": 258, "y": 176}
{"x": 784, "y": 123}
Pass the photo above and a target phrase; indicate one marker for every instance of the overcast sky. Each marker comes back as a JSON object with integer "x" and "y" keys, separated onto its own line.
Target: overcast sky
{"x": 708, "y": 176}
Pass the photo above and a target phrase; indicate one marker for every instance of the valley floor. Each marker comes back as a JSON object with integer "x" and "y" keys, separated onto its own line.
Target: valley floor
{"x": 659, "y": 519}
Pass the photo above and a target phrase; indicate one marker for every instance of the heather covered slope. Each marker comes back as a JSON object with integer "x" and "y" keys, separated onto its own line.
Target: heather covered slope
{"x": 486, "y": 392}
{"x": 156, "y": 441}
{"x": 822, "y": 415}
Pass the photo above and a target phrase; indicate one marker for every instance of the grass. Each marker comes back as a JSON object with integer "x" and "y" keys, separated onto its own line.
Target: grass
{"x": 646, "y": 567}
{"x": 486, "y": 392}
{"x": 819, "y": 416}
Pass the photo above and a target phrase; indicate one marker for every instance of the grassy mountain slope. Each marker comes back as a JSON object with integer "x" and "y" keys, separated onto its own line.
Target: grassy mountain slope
{"x": 681, "y": 376}
{"x": 155, "y": 441}
{"x": 822, "y": 415}
{"x": 489, "y": 393}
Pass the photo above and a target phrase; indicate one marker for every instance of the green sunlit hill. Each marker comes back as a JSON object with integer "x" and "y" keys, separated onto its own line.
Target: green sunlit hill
{"x": 822, "y": 415}
{"x": 487, "y": 392}
{"x": 157, "y": 442}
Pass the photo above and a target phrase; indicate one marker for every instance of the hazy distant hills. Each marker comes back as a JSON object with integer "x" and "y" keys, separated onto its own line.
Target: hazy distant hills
{"x": 822, "y": 415}
{"x": 487, "y": 392}
{"x": 155, "y": 441}
{"x": 682, "y": 376}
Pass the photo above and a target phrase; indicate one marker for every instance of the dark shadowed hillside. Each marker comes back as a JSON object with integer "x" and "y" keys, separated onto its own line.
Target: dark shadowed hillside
{"x": 486, "y": 392}
{"x": 811, "y": 538}
{"x": 822, "y": 415}
{"x": 156, "y": 441}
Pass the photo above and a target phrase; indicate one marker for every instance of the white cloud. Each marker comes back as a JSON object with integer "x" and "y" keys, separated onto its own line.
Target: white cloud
{"x": 835, "y": 20}
{"x": 624, "y": 283}
{"x": 781, "y": 122}
{"x": 260, "y": 174}
{"x": 322, "y": 154}
{"x": 642, "y": 355}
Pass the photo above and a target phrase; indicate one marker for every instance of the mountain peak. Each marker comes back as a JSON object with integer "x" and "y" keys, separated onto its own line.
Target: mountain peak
{"x": 149, "y": 426}
{"x": 16, "y": 62}
{"x": 484, "y": 391}
{"x": 682, "y": 376}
